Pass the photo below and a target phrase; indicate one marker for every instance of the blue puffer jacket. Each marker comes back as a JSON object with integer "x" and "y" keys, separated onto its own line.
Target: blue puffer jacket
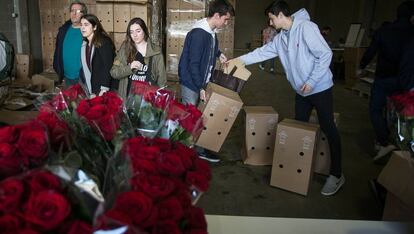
{"x": 198, "y": 58}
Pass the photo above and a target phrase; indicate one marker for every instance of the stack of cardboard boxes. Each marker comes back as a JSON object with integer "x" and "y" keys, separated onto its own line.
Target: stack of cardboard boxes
{"x": 181, "y": 17}
{"x": 115, "y": 16}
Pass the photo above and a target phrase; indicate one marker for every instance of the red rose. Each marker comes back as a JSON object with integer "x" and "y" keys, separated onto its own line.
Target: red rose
{"x": 42, "y": 180}
{"x": 176, "y": 110}
{"x": 77, "y": 227}
{"x": 10, "y": 224}
{"x": 47, "y": 210}
{"x": 33, "y": 144}
{"x": 139, "y": 87}
{"x": 96, "y": 112}
{"x": 135, "y": 205}
{"x": 28, "y": 231}
{"x": 170, "y": 209}
{"x": 11, "y": 193}
{"x": 143, "y": 166}
{"x": 8, "y": 134}
{"x": 170, "y": 163}
{"x": 58, "y": 129}
{"x": 113, "y": 215}
{"x": 148, "y": 152}
{"x": 185, "y": 200}
{"x": 73, "y": 92}
{"x": 154, "y": 186}
{"x": 10, "y": 162}
{"x": 113, "y": 101}
{"x": 196, "y": 231}
{"x": 98, "y": 100}
{"x": 197, "y": 179}
{"x": 196, "y": 219}
{"x": 163, "y": 144}
{"x": 201, "y": 166}
{"x": 83, "y": 108}
{"x": 166, "y": 227}
{"x": 58, "y": 103}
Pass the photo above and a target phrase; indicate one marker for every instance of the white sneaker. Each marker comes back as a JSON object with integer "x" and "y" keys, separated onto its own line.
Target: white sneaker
{"x": 261, "y": 67}
{"x": 332, "y": 185}
{"x": 384, "y": 150}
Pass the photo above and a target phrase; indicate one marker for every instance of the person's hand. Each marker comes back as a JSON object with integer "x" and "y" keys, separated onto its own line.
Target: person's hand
{"x": 102, "y": 92}
{"x": 203, "y": 95}
{"x": 223, "y": 58}
{"x": 136, "y": 65}
{"x": 306, "y": 89}
{"x": 359, "y": 73}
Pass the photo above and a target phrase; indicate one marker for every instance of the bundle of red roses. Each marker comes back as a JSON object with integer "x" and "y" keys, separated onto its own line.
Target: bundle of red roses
{"x": 64, "y": 100}
{"x": 184, "y": 123}
{"x": 401, "y": 118}
{"x": 147, "y": 107}
{"x": 164, "y": 176}
{"x": 22, "y": 147}
{"x": 36, "y": 203}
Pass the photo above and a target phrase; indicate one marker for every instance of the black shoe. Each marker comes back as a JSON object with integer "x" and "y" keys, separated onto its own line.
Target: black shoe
{"x": 209, "y": 157}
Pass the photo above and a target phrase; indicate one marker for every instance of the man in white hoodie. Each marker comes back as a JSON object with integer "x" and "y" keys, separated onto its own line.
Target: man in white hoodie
{"x": 306, "y": 57}
{"x": 199, "y": 57}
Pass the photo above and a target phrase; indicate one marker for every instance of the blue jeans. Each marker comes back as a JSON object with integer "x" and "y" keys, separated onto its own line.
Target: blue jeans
{"x": 380, "y": 90}
{"x": 323, "y": 103}
{"x": 189, "y": 96}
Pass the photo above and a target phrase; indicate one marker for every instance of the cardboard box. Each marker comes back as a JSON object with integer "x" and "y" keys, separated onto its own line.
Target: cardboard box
{"x": 352, "y": 58}
{"x": 122, "y": 16}
{"x": 260, "y": 134}
{"x": 293, "y": 156}
{"x": 397, "y": 177}
{"x": 105, "y": 14}
{"x": 396, "y": 210}
{"x": 241, "y": 71}
{"x": 219, "y": 113}
{"x": 322, "y": 164}
{"x": 24, "y": 65}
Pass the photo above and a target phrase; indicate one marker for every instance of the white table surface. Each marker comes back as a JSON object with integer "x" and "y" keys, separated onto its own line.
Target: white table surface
{"x": 218, "y": 224}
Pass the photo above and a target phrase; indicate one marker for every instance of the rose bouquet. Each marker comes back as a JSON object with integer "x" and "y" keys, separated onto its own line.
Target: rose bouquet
{"x": 147, "y": 107}
{"x": 159, "y": 198}
{"x": 22, "y": 147}
{"x": 401, "y": 118}
{"x": 184, "y": 123}
{"x": 36, "y": 202}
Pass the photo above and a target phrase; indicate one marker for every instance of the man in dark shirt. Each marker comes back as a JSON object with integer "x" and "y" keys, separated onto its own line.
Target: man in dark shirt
{"x": 387, "y": 42}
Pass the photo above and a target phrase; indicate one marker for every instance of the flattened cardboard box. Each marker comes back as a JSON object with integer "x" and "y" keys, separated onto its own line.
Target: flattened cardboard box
{"x": 293, "y": 156}
{"x": 397, "y": 177}
{"x": 396, "y": 210}
{"x": 260, "y": 134}
{"x": 322, "y": 164}
{"x": 219, "y": 113}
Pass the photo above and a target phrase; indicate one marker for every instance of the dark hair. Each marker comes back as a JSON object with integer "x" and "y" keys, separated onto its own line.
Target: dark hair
{"x": 278, "y": 6}
{"x": 220, "y": 6}
{"x": 130, "y": 48}
{"x": 405, "y": 10}
{"x": 99, "y": 33}
{"x": 84, "y": 8}
{"x": 327, "y": 28}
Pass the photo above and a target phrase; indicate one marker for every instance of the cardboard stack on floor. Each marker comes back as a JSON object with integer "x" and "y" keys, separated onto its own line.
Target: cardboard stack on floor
{"x": 295, "y": 144}
{"x": 397, "y": 177}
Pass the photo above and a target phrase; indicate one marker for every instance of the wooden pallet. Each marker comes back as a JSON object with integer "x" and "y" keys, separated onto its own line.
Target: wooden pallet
{"x": 363, "y": 89}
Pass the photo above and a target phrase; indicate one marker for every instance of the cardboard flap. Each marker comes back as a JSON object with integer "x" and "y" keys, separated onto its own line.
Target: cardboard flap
{"x": 397, "y": 176}
{"x": 241, "y": 72}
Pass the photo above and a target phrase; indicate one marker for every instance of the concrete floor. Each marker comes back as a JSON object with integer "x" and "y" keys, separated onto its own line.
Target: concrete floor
{"x": 238, "y": 189}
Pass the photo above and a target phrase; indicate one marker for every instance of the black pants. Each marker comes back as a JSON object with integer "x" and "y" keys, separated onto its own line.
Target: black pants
{"x": 381, "y": 89}
{"x": 323, "y": 103}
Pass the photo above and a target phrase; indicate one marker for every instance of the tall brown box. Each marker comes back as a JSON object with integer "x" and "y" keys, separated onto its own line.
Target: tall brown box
{"x": 352, "y": 58}
{"x": 322, "y": 163}
{"x": 219, "y": 113}
{"x": 105, "y": 14}
{"x": 293, "y": 156}
{"x": 24, "y": 65}
{"x": 397, "y": 177}
{"x": 260, "y": 130}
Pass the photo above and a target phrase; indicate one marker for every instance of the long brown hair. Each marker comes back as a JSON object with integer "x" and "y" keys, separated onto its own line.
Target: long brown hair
{"x": 99, "y": 33}
{"x": 129, "y": 44}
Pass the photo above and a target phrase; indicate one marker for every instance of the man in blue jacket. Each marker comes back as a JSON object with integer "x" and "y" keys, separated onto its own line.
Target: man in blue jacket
{"x": 199, "y": 56}
{"x": 67, "y": 59}
{"x": 306, "y": 57}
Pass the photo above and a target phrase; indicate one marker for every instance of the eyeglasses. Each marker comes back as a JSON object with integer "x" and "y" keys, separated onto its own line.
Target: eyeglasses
{"x": 76, "y": 11}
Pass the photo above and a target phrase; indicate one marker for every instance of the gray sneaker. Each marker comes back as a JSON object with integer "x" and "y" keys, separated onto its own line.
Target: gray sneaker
{"x": 332, "y": 185}
{"x": 384, "y": 150}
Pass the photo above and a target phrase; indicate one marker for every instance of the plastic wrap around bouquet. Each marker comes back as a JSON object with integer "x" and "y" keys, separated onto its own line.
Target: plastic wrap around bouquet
{"x": 401, "y": 118}
{"x": 38, "y": 201}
